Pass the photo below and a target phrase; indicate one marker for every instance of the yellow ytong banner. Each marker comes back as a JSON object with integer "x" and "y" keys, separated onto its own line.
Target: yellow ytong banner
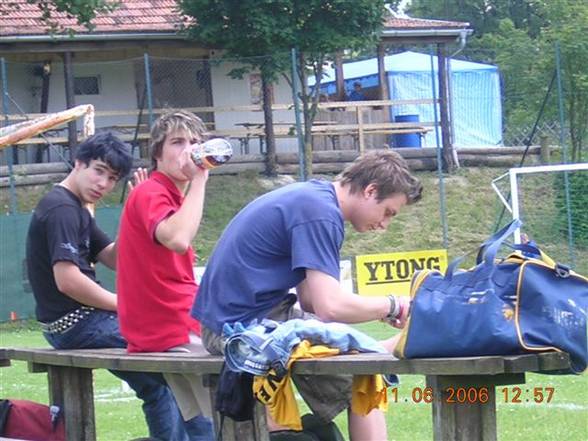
{"x": 391, "y": 273}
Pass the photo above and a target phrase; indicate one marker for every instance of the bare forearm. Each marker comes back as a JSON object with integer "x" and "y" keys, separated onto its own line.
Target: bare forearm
{"x": 73, "y": 283}
{"x": 330, "y": 302}
{"x": 107, "y": 256}
{"x": 351, "y": 308}
{"x": 91, "y": 294}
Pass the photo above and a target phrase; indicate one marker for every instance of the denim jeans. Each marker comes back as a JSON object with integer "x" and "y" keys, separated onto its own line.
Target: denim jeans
{"x": 100, "y": 330}
{"x": 269, "y": 344}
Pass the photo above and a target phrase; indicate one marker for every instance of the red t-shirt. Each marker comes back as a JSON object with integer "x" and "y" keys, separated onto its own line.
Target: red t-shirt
{"x": 155, "y": 285}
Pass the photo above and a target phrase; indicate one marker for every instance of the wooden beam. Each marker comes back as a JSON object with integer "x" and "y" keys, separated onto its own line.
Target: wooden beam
{"x": 339, "y": 77}
{"x": 384, "y": 92}
{"x": 70, "y": 101}
{"x": 359, "y": 114}
{"x": 52, "y": 47}
{"x": 448, "y": 154}
{"x": 418, "y": 40}
{"x": 462, "y": 421}
{"x": 72, "y": 389}
{"x": 248, "y": 108}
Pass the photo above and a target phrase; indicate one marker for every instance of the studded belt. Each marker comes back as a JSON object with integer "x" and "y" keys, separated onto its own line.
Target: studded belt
{"x": 66, "y": 322}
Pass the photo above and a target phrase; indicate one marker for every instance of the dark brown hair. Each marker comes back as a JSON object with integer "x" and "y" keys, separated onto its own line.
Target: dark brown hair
{"x": 387, "y": 170}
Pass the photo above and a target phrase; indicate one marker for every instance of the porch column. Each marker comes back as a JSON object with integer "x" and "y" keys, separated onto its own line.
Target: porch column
{"x": 384, "y": 93}
{"x": 449, "y": 156}
{"x": 339, "y": 78}
{"x": 70, "y": 102}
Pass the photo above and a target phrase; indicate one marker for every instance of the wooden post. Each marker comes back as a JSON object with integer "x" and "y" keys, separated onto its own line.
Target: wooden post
{"x": 545, "y": 151}
{"x": 359, "y": 113}
{"x": 72, "y": 390}
{"x": 448, "y": 153}
{"x": 339, "y": 78}
{"x": 382, "y": 77}
{"x": 461, "y": 421}
{"x": 70, "y": 102}
{"x": 46, "y": 77}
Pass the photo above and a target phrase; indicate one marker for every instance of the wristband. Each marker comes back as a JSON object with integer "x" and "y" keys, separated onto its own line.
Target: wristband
{"x": 395, "y": 309}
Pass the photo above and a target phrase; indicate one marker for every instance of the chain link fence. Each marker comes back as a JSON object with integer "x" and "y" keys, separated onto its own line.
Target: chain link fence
{"x": 491, "y": 103}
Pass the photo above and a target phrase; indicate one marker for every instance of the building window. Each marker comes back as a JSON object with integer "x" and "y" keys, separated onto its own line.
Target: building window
{"x": 87, "y": 85}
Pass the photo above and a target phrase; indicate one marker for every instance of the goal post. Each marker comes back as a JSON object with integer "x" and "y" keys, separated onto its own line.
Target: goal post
{"x": 514, "y": 173}
{"x": 552, "y": 203}
{"x": 15, "y": 133}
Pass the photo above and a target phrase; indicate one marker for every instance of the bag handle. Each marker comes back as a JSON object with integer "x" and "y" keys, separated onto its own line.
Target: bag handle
{"x": 487, "y": 251}
{"x": 496, "y": 236}
{"x": 493, "y": 246}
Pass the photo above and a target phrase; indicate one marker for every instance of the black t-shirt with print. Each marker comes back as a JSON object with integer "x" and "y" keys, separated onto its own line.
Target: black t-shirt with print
{"x": 60, "y": 230}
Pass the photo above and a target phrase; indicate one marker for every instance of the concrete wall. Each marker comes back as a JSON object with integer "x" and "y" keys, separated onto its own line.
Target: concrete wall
{"x": 227, "y": 92}
{"x": 121, "y": 88}
{"x": 117, "y": 90}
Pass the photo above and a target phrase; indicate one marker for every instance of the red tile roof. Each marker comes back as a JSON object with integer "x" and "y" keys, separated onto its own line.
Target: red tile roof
{"x": 20, "y": 18}
{"x": 407, "y": 23}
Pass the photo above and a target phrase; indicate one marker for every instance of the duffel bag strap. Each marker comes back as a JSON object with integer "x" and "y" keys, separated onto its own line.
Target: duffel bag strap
{"x": 492, "y": 248}
{"x": 488, "y": 250}
{"x": 500, "y": 235}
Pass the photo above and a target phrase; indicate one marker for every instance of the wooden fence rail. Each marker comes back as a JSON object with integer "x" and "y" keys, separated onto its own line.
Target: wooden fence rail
{"x": 331, "y": 161}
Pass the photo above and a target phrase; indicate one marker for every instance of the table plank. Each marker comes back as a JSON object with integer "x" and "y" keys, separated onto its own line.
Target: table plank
{"x": 119, "y": 359}
{"x": 70, "y": 382}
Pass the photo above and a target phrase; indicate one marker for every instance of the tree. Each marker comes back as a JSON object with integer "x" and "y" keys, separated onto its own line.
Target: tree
{"x": 519, "y": 36}
{"x": 263, "y": 33}
{"x": 568, "y": 27}
{"x": 484, "y": 15}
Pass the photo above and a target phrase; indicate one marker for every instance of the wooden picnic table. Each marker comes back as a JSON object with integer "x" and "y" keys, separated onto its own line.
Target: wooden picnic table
{"x": 70, "y": 383}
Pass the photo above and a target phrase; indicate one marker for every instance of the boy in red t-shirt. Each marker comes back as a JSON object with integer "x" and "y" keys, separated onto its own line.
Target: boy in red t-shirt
{"x": 155, "y": 282}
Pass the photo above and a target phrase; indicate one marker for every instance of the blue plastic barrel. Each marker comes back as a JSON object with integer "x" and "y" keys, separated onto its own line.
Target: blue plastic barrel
{"x": 407, "y": 139}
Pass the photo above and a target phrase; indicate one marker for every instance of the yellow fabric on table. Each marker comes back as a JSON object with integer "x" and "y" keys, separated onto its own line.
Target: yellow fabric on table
{"x": 369, "y": 391}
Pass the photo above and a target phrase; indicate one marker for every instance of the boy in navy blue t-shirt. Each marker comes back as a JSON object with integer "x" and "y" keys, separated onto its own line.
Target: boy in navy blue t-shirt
{"x": 291, "y": 238}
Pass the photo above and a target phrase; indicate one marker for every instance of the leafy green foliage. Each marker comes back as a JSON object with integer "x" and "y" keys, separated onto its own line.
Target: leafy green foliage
{"x": 484, "y": 15}
{"x": 520, "y": 36}
{"x": 270, "y": 29}
{"x": 263, "y": 33}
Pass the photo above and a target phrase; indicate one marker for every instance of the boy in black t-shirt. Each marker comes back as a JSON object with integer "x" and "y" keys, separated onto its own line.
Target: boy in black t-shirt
{"x": 75, "y": 311}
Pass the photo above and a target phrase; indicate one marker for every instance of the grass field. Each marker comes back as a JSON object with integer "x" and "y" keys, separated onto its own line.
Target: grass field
{"x": 119, "y": 416}
{"x": 472, "y": 211}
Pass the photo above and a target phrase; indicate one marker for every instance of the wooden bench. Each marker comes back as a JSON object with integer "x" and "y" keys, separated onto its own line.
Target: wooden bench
{"x": 69, "y": 375}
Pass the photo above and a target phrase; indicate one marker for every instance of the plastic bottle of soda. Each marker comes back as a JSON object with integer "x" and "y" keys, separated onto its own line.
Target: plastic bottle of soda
{"x": 211, "y": 153}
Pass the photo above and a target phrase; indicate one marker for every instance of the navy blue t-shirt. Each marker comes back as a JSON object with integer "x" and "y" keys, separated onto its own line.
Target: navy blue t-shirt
{"x": 266, "y": 249}
{"x": 60, "y": 230}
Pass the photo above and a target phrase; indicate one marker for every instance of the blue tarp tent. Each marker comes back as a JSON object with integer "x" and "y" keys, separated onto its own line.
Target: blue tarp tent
{"x": 475, "y": 93}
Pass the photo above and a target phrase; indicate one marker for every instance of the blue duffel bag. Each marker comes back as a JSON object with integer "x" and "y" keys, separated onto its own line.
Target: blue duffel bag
{"x": 521, "y": 304}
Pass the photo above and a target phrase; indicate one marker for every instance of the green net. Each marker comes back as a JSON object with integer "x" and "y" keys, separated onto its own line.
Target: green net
{"x": 16, "y": 297}
{"x": 553, "y": 206}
